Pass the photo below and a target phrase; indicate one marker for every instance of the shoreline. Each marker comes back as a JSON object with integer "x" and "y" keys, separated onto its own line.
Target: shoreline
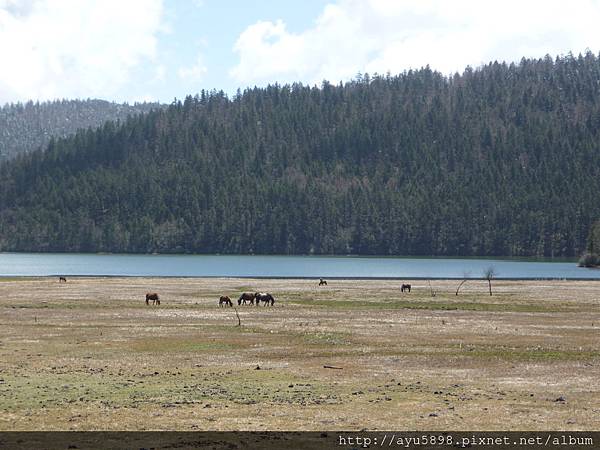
{"x": 279, "y": 277}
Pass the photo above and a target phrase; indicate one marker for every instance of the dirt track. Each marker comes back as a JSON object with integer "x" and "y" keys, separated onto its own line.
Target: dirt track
{"x": 90, "y": 355}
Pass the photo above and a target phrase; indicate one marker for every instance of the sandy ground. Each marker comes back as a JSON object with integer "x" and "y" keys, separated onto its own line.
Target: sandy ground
{"x": 90, "y": 355}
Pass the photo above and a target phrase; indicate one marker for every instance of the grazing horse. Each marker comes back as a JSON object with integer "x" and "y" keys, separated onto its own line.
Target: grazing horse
{"x": 247, "y": 297}
{"x": 62, "y": 279}
{"x": 154, "y": 297}
{"x": 322, "y": 282}
{"x": 264, "y": 297}
{"x": 405, "y": 287}
{"x": 224, "y": 300}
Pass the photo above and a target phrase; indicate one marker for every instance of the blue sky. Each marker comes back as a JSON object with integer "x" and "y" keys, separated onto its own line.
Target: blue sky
{"x": 134, "y": 50}
{"x": 210, "y": 28}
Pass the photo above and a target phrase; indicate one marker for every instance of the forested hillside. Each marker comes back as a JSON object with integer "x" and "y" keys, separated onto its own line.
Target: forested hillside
{"x": 500, "y": 160}
{"x": 27, "y": 127}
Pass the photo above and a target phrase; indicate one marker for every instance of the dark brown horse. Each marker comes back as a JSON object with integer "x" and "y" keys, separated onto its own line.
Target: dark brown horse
{"x": 224, "y": 301}
{"x": 265, "y": 298}
{"x": 154, "y": 297}
{"x": 62, "y": 279}
{"x": 405, "y": 287}
{"x": 322, "y": 282}
{"x": 247, "y": 297}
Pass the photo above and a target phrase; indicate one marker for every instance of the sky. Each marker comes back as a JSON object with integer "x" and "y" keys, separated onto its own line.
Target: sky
{"x": 159, "y": 50}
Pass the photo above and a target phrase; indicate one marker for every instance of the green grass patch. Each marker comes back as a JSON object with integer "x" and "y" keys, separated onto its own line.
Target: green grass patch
{"x": 327, "y": 338}
{"x": 162, "y": 345}
{"x": 540, "y": 355}
{"x": 163, "y": 388}
{"x": 429, "y": 305}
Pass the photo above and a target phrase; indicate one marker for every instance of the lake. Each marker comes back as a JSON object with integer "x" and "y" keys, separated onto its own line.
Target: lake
{"x": 47, "y": 264}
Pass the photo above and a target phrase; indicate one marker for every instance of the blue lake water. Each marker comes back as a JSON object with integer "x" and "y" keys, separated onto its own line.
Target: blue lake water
{"x": 43, "y": 264}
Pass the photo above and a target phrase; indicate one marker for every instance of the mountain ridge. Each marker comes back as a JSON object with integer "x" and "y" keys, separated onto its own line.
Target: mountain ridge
{"x": 496, "y": 161}
{"x": 25, "y": 127}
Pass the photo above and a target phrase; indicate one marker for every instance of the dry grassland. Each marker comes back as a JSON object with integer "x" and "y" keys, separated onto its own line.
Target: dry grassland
{"x": 90, "y": 355}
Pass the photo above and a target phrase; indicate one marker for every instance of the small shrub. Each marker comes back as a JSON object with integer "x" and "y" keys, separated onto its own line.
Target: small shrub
{"x": 589, "y": 260}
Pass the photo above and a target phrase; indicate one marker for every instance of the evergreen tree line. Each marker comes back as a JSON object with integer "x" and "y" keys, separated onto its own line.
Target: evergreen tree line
{"x": 501, "y": 160}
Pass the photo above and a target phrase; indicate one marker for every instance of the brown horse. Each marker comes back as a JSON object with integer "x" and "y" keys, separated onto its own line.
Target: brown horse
{"x": 247, "y": 297}
{"x": 224, "y": 301}
{"x": 62, "y": 279}
{"x": 264, "y": 297}
{"x": 405, "y": 287}
{"x": 154, "y": 297}
{"x": 322, "y": 282}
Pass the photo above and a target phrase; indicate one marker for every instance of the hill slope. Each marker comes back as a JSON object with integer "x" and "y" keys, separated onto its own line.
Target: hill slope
{"x": 502, "y": 160}
{"x": 27, "y": 127}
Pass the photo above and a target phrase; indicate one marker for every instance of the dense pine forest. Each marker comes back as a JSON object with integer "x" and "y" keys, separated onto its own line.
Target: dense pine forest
{"x": 499, "y": 160}
{"x": 27, "y": 127}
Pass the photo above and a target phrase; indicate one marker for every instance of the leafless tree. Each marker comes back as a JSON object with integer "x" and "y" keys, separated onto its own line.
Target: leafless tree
{"x": 431, "y": 288}
{"x": 466, "y": 276}
{"x": 489, "y": 275}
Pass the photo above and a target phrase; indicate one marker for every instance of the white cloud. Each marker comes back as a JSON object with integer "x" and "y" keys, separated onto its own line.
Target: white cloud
{"x": 352, "y": 36}
{"x": 74, "y": 48}
{"x": 193, "y": 73}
